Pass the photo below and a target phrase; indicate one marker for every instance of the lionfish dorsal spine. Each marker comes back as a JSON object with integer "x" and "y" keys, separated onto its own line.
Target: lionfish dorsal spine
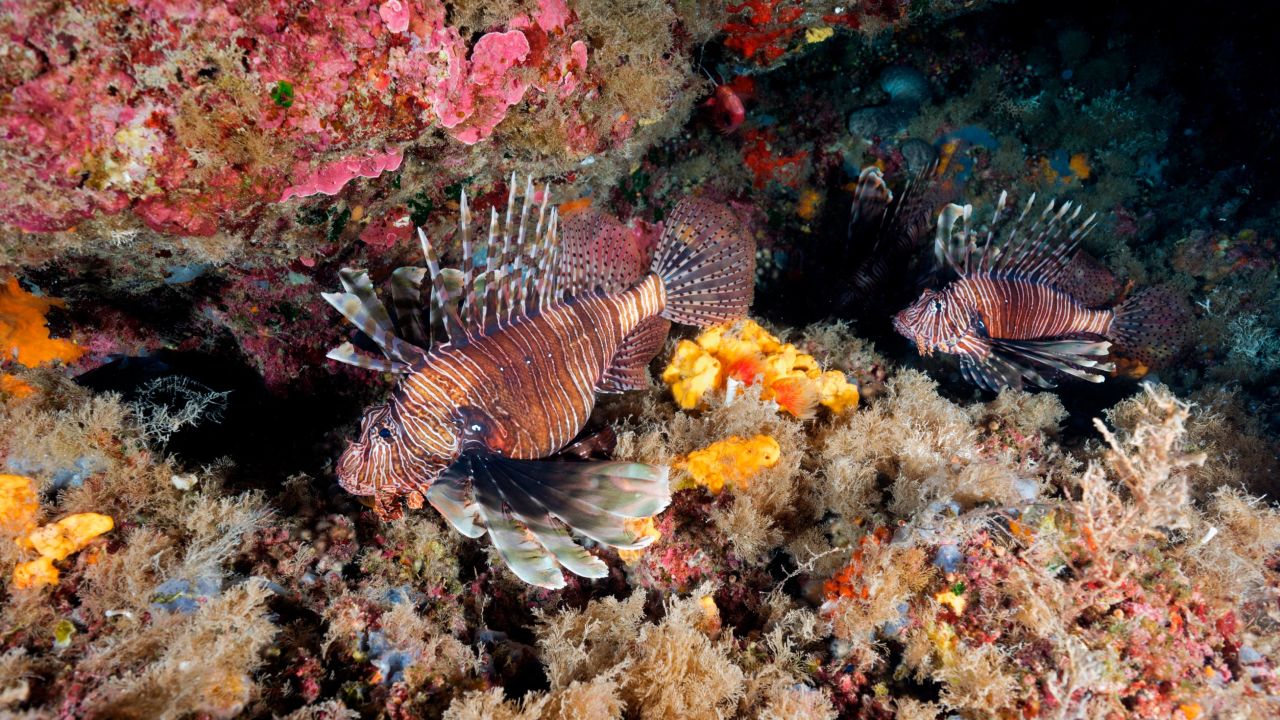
{"x": 347, "y": 353}
{"x": 953, "y": 230}
{"x": 1036, "y": 246}
{"x": 406, "y": 294}
{"x": 438, "y": 298}
{"x": 360, "y": 305}
{"x": 510, "y": 273}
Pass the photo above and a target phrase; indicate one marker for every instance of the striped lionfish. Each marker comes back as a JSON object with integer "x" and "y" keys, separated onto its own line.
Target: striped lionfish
{"x": 886, "y": 232}
{"x": 536, "y": 327}
{"x": 1011, "y": 313}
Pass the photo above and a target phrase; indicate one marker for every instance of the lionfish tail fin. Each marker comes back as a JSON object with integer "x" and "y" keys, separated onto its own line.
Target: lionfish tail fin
{"x": 1152, "y": 326}
{"x": 529, "y": 506}
{"x": 707, "y": 263}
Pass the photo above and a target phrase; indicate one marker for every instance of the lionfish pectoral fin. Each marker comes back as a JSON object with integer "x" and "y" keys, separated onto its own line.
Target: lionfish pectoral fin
{"x": 994, "y": 373}
{"x": 592, "y": 498}
{"x": 450, "y": 496}
{"x": 533, "y": 514}
{"x": 522, "y": 530}
{"x": 992, "y": 367}
{"x": 521, "y": 550}
{"x": 1083, "y": 359}
{"x": 630, "y": 367}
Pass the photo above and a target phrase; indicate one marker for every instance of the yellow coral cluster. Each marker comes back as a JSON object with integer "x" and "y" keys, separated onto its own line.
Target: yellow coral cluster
{"x": 18, "y": 504}
{"x": 731, "y": 461}
{"x": 55, "y": 541}
{"x": 23, "y": 333}
{"x": 745, "y": 352}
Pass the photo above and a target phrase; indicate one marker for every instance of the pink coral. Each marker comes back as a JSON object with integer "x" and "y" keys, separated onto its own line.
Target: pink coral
{"x": 203, "y": 111}
{"x": 395, "y": 14}
{"x": 552, "y": 15}
{"x": 489, "y": 89}
{"x": 328, "y": 179}
{"x": 384, "y": 232}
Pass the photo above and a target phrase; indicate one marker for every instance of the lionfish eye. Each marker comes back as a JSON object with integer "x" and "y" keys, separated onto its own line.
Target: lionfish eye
{"x": 384, "y": 433}
{"x": 936, "y": 305}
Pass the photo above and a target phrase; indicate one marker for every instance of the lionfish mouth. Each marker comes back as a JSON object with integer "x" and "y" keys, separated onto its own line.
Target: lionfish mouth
{"x": 348, "y": 471}
{"x": 901, "y": 326}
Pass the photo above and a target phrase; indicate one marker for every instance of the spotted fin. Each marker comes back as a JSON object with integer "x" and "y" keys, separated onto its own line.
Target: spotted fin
{"x": 1152, "y": 326}
{"x": 707, "y": 262}
{"x": 1036, "y": 246}
{"x": 630, "y": 367}
{"x": 598, "y": 252}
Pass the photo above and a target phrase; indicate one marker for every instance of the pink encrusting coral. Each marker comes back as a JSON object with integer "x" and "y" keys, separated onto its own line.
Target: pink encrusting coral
{"x": 207, "y": 110}
{"x": 330, "y": 178}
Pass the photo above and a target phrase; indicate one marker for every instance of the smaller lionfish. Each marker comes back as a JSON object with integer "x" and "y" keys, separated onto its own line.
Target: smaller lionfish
{"x": 537, "y": 326}
{"x": 886, "y": 233}
{"x": 1012, "y": 313}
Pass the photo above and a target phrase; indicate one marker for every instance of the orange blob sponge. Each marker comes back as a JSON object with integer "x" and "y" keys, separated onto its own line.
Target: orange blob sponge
{"x": 14, "y": 386}
{"x": 18, "y": 504}
{"x": 691, "y": 374}
{"x": 70, "y": 534}
{"x": 745, "y": 352}
{"x": 57, "y": 541}
{"x": 642, "y": 527}
{"x": 733, "y": 461}
{"x": 23, "y": 333}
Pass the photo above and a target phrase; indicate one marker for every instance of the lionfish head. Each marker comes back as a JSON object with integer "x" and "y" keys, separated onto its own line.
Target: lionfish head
{"x": 385, "y": 459}
{"x": 933, "y": 322}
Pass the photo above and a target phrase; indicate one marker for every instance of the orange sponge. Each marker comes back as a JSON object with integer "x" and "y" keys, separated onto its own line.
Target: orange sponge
{"x": 23, "y": 332}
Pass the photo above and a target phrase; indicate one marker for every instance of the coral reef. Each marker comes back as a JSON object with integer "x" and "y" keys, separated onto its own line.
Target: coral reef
{"x": 1009, "y": 573}
{"x": 853, "y": 532}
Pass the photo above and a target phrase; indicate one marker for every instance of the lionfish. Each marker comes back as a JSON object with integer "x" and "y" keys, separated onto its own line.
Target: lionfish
{"x": 536, "y": 328}
{"x": 886, "y": 232}
{"x": 1011, "y": 315}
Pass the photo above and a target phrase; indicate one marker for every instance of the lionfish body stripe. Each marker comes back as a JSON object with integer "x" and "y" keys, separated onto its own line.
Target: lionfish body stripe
{"x": 536, "y": 329}
{"x": 1010, "y": 316}
{"x": 536, "y": 377}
